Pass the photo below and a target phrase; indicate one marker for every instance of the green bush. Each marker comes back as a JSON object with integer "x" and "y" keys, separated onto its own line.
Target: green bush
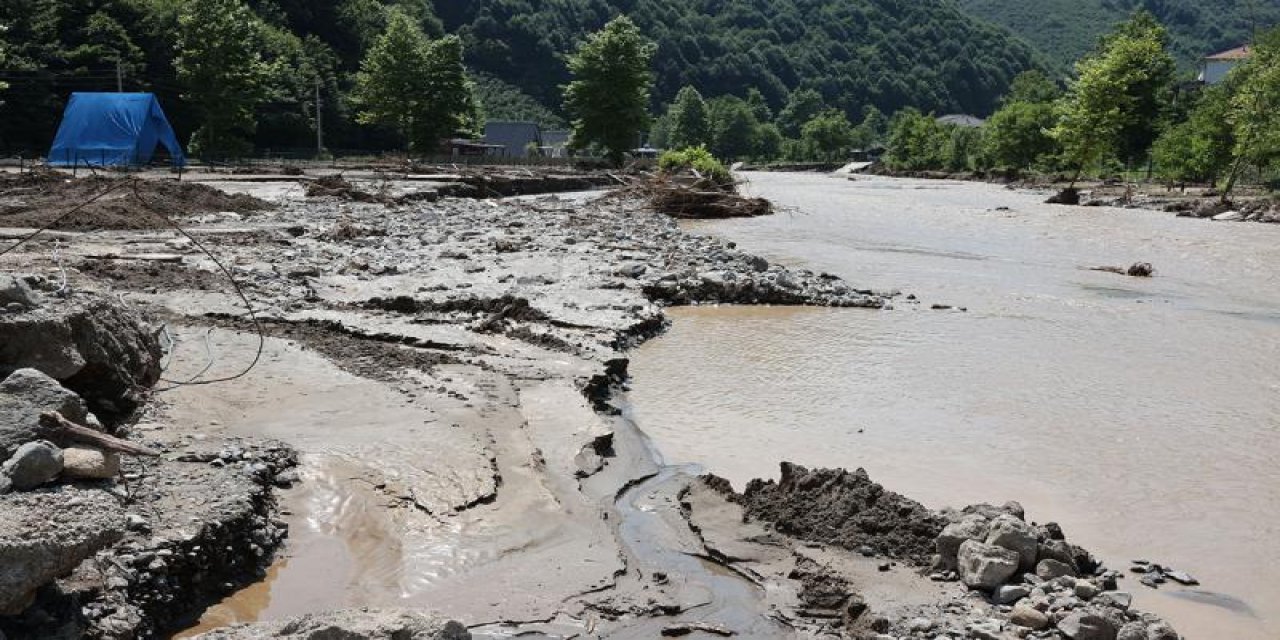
{"x": 698, "y": 159}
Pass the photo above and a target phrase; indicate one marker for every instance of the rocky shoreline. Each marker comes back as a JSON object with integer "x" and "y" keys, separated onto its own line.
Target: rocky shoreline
{"x": 500, "y": 328}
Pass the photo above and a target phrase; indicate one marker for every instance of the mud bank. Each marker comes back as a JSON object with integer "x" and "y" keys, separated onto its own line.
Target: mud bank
{"x": 453, "y": 375}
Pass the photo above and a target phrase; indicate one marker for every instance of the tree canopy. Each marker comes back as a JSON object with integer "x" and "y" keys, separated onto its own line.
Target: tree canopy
{"x": 608, "y": 98}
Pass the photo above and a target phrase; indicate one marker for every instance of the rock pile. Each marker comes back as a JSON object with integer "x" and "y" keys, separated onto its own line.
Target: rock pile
{"x": 91, "y": 343}
{"x": 1044, "y": 586}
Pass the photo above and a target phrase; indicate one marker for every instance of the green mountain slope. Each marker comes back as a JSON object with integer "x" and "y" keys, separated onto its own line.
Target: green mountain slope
{"x": 890, "y": 53}
{"x": 1067, "y": 29}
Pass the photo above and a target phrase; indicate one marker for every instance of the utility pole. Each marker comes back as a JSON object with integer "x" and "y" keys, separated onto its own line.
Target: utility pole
{"x": 319, "y": 123}
{"x": 119, "y": 76}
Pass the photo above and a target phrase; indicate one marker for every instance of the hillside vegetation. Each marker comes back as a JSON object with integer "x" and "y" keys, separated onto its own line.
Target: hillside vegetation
{"x": 1067, "y": 29}
{"x": 855, "y": 53}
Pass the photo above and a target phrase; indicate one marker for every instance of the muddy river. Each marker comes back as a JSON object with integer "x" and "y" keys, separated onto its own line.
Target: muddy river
{"x": 1141, "y": 414}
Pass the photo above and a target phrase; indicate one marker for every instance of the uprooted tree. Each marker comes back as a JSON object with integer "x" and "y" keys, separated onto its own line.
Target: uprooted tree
{"x": 608, "y": 98}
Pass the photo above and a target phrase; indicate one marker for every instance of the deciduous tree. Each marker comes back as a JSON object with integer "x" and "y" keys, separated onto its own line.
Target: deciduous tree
{"x": 609, "y": 95}
{"x": 220, "y": 66}
{"x": 689, "y": 120}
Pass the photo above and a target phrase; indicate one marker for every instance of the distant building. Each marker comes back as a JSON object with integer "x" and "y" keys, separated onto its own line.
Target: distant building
{"x": 516, "y": 138}
{"x": 962, "y": 120}
{"x": 555, "y": 144}
{"x": 1217, "y": 66}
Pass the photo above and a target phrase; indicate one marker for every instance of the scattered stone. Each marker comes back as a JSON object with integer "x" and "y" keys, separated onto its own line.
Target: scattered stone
{"x": 1085, "y": 590}
{"x": 1087, "y": 625}
{"x": 32, "y": 465}
{"x": 1027, "y": 616}
{"x": 1181, "y": 577}
{"x": 1010, "y": 593}
{"x": 686, "y": 628}
{"x": 985, "y": 566}
{"x": 1115, "y": 599}
{"x": 1049, "y": 569}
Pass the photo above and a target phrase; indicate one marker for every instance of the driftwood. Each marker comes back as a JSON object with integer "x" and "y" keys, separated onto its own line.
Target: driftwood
{"x": 56, "y": 425}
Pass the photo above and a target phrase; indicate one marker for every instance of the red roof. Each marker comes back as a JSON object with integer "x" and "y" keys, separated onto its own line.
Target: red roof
{"x": 1239, "y": 53}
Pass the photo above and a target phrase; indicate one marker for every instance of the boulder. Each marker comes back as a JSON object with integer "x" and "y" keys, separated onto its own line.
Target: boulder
{"x": 1087, "y": 625}
{"x": 44, "y": 534}
{"x": 24, "y": 395}
{"x": 970, "y": 527}
{"x": 1027, "y": 616}
{"x": 364, "y": 624}
{"x": 32, "y": 465}
{"x": 1014, "y": 534}
{"x": 14, "y": 290}
{"x": 1055, "y": 550}
{"x": 1115, "y": 599}
{"x": 1010, "y": 593}
{"x": 985, "y": 566}
{"x": 89, "y": 463}
{"x": 90, "y": 343}
{"x": 1050, "y": 569}
{"x": 1132, "y": 631}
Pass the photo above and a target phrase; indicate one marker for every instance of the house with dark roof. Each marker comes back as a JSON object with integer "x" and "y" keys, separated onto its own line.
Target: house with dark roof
{"x": 555, "y": 144}
{"x": 515, "y": 138}
{"x": 1217, "y": 66}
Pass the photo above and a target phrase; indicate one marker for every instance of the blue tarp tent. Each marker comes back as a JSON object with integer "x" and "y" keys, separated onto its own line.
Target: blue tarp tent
{"x": 113, "y": 129}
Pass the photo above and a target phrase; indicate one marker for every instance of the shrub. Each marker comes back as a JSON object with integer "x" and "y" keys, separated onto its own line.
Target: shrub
{"x": 698, "y": 159}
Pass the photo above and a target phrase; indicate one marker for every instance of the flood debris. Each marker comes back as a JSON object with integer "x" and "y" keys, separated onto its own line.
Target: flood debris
{"x": 1135, "y": 270}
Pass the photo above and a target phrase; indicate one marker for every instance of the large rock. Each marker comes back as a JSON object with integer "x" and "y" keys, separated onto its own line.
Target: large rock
{"x": 1014, "y": 534}
{"x": 1025, "y": 615}
{"x": 986, "y": 566}
{"x": 89, "y": 463}
{"x": 1050, "y": 569}
{"x": 91, "y": 343}
{"x": 24, "y": 395}
{"x": 1087, "y": 625}
{"x": 44, "y": 534}
{"x": 970, "y": 527}
{"x": 32, "y": 465}
{"x": 14, "y": 290}
{"x": 367, "y": 624}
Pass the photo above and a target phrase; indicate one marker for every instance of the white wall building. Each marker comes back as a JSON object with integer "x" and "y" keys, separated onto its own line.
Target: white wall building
{"x": 1218, "y": 65}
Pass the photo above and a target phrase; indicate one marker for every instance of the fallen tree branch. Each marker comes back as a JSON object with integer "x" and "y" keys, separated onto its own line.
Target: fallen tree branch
{"x": 54, "y": 423}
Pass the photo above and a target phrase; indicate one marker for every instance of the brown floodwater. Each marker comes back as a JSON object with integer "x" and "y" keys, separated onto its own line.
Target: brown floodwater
{"x": 1141, "y": 414}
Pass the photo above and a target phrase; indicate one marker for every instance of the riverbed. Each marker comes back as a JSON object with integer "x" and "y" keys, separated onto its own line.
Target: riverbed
{"x": 1140, "y": 414}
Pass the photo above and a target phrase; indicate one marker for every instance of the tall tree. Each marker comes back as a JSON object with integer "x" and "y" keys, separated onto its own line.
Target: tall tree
{"x": 801, "y": 107}
{"x": 220, "y": 66}
{"x": 1018, "y": 135}
{"x": 416, "y": 86}
{"x": 608, "y": 97}
{"x": 733, "y": 128}
{"x": 1150, "y": 86}
{"x": 1255, "y": 110}
{"x": 829, "y": 133}
{"x": 1113, "y": 91}
{"x": 689, "y": 120}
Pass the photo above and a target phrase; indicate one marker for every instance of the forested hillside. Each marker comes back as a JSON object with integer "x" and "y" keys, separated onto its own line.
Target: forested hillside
{"x": 856, "y": 53}
{"x": 886, "y": 53}
{"x": 1066, "y": 29}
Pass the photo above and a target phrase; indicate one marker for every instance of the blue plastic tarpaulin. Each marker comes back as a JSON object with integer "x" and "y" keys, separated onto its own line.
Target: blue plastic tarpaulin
{"x": 113, "y": 129}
